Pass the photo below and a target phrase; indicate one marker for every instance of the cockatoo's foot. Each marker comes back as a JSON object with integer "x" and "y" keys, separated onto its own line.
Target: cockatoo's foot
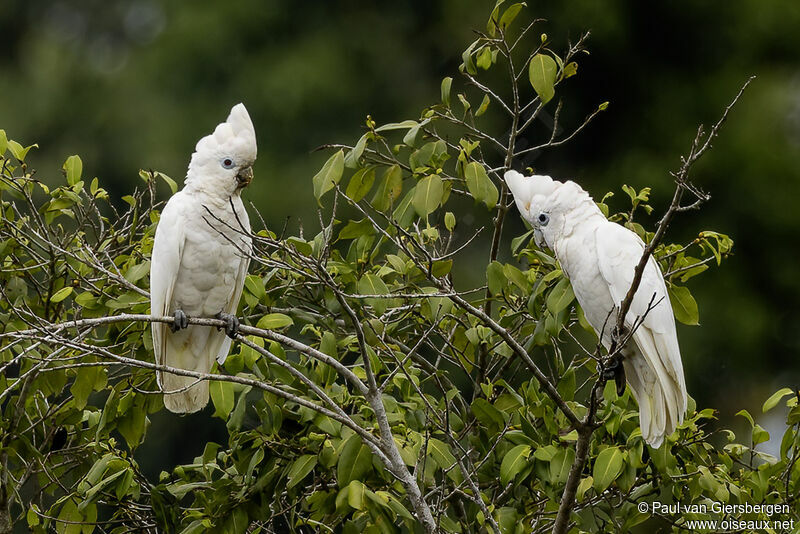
{"x": 231, "y": 324}
{"x": 616, "y": 371}
{"x": 181, "y": 321}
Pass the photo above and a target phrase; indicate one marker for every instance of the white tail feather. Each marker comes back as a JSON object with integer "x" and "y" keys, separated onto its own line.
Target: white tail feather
{"x": 661, "y": 405}
{"x": 192, "y": 349}
{"x": 191, "y": 396}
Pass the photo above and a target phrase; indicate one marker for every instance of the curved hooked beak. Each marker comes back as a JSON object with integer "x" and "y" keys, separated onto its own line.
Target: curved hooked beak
{"x": 538, "y": 238}
{"x": 244, "y": 176}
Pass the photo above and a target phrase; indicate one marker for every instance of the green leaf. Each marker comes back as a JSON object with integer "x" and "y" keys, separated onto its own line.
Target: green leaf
{"x": 360, "y": 183}
{"x": 396, "y": 506}
{"x": 449, "y": 221}
{"x": 607, "y": 468}
{"x": 449, "y": 525}
{"x": 89, "y": 379}
{"x": 354, "y": 229}
{"x": 61, "y": 294}
{"x": 73, "y": 168}
{"x": 484, "y": 106}
{"x": 514, "y": 462}
{"x": 420, "y": 158}
{"x": 32, "y": 517}
{"x": 510, "y": 14}
{"x": 484, "y": 60}
{"x": 389, "y": 190}
{"x": 329, "y": 175}
{"x": 355, "y": 494}
{"x": 355, "y": 461}
{"x": 404, "y": 125}
{"x": 351, "y": 160}
{"x": 137, "y": 272}
{"x": 134, "y": 423}
{"x": 560, "y": 465}
{"x": 237, "y": 415}
{"x": 172, "y": 184}
{"x": 491, "y": 25}
{"x": 255, "y": 286}
{"x": 560, "y": 296}
{"x": 3, "y": 142}
{"x": 542, "y": 74}
{"x": 372, "y": 284}
{"x": 180, "y": 489}
{"x": 222, "y": 395}
{"x": 234, "y": 363}
{"x": 441, "y": 454}
{"x": 238, "y": 521}
{"x": 18, "y": 151}
{"x": 303, "y": 247}
{"x": 404, "y": 214}
{"x": 428, "y": 195}
{"x": 71, "y": 518}
{"x": 746, "y": 415}
{"x": 126, "y": 300}
{"x": 683, "y": 305}
{"x": 545, "y": 454}
{"x": 446, "y": 85}
{"x": 570, "y": 69}
{"x": 328, "y": 345}
{"x": 584, "y": 486}
{"x": 759, "y": 435}
{"x": 441, "y": 268}
{"x": 410, "y": 138}
{"x": 518, "y": 241}
{"x": 495, "y": 278}
{"x": 775, "y": 398}
{"x": 487, "y": 414}
{"x": 517, "y": 277}
{"x": 299, "y": 469}
{"x": 464, "y": 102}
{"x": 273, "y": 321}
{"x": 480, "y": 186}
{"x": 466, "y": 57}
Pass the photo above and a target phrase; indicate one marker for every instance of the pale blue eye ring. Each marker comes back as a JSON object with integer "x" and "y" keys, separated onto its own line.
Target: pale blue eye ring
{"x": 227, "y": 163}
{"x": 543, "y": 219}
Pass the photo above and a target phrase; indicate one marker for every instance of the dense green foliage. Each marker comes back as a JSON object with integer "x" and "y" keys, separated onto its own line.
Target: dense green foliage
{"x": 363, "y": 343}
{"x": 128, "y": 84}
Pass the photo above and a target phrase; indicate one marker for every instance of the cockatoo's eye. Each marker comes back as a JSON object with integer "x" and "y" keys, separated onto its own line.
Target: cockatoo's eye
{"x": 543, "y": 219}
{"x": 227, "y": 163}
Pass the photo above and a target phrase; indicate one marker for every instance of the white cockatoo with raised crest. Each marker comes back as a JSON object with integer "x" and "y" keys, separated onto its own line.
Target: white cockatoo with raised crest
{"x": 200, "y": 258}
{"x": 599, "y": 258}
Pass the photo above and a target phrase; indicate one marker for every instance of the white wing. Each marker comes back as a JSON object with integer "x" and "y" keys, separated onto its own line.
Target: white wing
{"x": 657, "y": 377}
{"x": 236, "y": 295}
{"x": 164, "y": 264}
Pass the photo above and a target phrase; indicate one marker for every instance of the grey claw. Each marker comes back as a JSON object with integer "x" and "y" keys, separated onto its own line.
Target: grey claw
{"x": 619, "y": 379}
{"x": 616, "y": 371}
{"x": 231, "y": 324}
{"x": 181, "y": 321}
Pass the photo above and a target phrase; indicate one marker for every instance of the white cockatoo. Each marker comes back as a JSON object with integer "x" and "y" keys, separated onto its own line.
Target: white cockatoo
{"x": 200, "y": 258}
{"x": 599, "y": 258}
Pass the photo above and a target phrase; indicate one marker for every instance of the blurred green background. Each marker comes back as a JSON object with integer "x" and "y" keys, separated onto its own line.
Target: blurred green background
{"x": 134, "y": 84}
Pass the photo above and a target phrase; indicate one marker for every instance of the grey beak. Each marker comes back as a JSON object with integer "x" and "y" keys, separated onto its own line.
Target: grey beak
{"x": 245, "y": 176}
{"x": 538, "y": 238}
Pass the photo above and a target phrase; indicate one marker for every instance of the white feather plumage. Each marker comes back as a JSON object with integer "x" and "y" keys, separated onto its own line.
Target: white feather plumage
{"x": 200, "y": 258}
{"x": 599, "y": 258}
